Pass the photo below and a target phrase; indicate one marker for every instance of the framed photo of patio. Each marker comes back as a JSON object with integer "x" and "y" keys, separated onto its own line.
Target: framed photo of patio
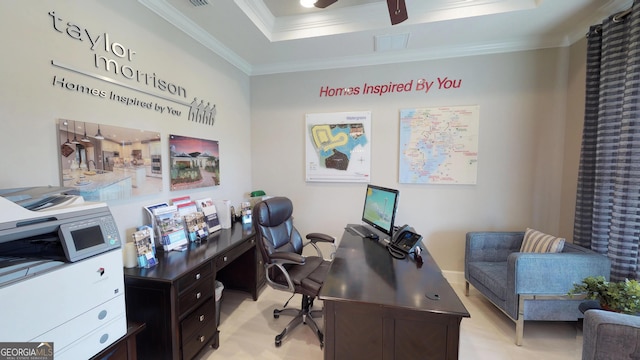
{"x": 194, "y": 163}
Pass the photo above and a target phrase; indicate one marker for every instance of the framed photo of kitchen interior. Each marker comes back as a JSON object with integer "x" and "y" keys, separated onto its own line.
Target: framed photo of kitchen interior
{"x": 105, "y": 162}
{"x": 194, "y": 163}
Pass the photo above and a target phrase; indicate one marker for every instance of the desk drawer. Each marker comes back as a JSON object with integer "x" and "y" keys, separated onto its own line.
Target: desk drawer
{"x": 197, "y": 318}
{"x": 228, "y": 256}
{"x": 192, "y": 345}
{"x": 194, "y": 276}
{"x": 196, "y": 295}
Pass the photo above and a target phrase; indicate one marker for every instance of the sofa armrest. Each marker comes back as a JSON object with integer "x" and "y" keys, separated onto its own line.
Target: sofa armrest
{"x": 608, "y": 333}
{"x": 534, "y": 273}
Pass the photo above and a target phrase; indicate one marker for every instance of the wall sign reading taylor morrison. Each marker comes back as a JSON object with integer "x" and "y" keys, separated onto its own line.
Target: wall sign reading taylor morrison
{"x": 117, "y": 60}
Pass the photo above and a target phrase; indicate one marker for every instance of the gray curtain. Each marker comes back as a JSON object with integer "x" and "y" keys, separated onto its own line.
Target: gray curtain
{"x": 608, "y": 197}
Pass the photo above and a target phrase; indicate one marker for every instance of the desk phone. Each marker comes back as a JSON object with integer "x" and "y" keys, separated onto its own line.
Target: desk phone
{"x": 403, "y": 241}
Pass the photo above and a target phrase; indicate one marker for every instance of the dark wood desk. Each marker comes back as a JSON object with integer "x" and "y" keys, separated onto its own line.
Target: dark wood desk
{"x": 378, "y": 307}
{"x": 125, "y": 347}
{"x": 176, "y": 298}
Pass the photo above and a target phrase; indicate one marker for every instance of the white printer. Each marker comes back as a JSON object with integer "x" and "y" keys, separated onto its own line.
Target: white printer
{"x": 61, "y": 277}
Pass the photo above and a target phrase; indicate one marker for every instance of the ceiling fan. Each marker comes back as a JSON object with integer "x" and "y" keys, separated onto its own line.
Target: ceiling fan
{"x": 397, "y": 9}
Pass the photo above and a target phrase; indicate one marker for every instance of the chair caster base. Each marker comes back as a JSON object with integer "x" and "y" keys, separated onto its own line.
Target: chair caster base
{"x": 279, "y": 339}
{"x": 303, "y": 316}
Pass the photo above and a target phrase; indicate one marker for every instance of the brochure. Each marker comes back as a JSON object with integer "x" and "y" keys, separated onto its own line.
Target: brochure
{"x": 181, "y": 200}
{"x": 145, "y": 248}
{"x": 170, "y": 227}
{"x": 149, "y": 209}
{"x": 187, "y": 208}
{"x": 196, "y": 226}
{"x": 210, "y": 214}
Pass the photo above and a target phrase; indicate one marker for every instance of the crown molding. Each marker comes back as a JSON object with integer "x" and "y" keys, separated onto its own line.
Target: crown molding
{"x": 368, "y": 16}
{"x": 163, "y": 9}
{"x": 259, "y": 14}
{"x": 444, "y": 52}
{"x": 320, "y": 23}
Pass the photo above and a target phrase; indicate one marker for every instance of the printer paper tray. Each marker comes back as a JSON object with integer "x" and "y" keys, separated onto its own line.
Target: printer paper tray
{"x": 96, "y": 332}
{"x": 65, "y": 301}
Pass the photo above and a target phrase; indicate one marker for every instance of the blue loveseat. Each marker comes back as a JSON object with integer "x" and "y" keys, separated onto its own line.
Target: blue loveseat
{"x": 528, "y": 286}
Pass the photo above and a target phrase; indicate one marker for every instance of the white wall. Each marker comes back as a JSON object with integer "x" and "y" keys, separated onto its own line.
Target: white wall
{"x": 522, "y": 99}
{"x": 30, "y": 104}
{"x": 576, "y": 87}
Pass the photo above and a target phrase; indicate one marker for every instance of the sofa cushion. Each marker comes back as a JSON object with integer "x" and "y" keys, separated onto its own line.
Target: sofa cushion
{"x": 493, "y": 275}
{"x": 538, "y": 242}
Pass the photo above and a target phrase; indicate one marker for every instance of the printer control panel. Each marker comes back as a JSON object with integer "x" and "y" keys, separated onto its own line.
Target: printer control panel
{"x": 111, "y": 230}
{"x": 84, "y": 238}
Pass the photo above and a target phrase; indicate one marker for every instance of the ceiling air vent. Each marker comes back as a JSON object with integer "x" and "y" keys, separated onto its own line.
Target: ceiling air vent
{"x": 199, "y": 2}
{"x": 391, "y": 42}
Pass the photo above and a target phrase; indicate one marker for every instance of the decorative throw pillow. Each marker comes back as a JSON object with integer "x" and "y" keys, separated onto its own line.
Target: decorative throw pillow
{"x": 539, "y": 242}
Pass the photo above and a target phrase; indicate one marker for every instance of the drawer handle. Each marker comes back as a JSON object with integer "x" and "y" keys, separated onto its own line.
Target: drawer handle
{"x": 224, "y": 259}
{"x": 198, "y": 295}
{"x": 198, "y": 276}
{"x": 201, "y": 338}
{"x": 201, "y": 318}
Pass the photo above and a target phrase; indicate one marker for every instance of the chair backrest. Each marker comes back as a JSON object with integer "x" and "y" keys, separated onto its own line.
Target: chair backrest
{"x": 273, "y": 223}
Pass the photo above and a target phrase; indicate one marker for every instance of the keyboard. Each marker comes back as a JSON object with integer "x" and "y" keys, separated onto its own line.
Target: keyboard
{"x": 360, "y": 230}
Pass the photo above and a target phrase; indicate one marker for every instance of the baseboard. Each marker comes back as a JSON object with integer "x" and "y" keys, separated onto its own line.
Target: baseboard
{"x": 454, "y": 277}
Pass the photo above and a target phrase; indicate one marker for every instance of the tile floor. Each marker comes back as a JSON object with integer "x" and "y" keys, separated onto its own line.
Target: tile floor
{"x": 247, "y": 331}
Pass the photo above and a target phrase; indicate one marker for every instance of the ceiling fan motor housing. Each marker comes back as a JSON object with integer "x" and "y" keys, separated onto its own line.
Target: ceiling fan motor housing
{"x": 397, "y": 9}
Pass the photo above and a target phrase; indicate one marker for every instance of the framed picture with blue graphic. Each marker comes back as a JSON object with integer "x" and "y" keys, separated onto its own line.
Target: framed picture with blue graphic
{"x": 439, "y": 145}
{"x": 338, "y": 147}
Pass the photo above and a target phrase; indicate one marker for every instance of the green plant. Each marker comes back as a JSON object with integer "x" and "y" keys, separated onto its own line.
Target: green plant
{"x": 622, "y": 296}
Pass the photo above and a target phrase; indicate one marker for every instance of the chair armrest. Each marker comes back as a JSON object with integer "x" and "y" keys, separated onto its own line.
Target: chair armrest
{"x": 319, "y": 237}
{"x": 315, "y": 238}
{"x": 601, "y": 326}
{"x": 288, "y": 257}
{"x": 277, "y": 264}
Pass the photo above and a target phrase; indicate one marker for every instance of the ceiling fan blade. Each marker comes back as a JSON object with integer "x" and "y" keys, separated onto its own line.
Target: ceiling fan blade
{"x": 397, "y": 11}
{"x": 323, "y": 3}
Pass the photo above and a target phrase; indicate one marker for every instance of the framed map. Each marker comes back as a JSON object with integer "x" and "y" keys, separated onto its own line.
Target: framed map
{"x": 338, "y": 147}
{"x": 439, "y": 145}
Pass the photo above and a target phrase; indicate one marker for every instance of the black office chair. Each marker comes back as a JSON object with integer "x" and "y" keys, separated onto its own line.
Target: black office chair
{"x": 287, "y": 269}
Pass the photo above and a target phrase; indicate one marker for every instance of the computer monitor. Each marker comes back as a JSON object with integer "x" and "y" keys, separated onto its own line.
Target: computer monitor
{"x": 380, "y": 208}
